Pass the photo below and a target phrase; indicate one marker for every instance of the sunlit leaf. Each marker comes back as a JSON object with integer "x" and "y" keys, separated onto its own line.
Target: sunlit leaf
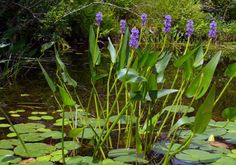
{"x": 229, "y": 113}
{"x": 112, "y": 51}
{"x": 66, "y": 98}
{"x": 204, "y": 113}
{"x": 203, "y": 80}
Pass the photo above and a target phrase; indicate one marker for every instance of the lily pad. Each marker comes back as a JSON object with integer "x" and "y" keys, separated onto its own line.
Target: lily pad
{"x": 8, "y": 144}
{"x": 47, "y": 117}
{"x": 69, "y": 145}
{"x": 34, "y": 149}
{"x": 28, "y": 127}
{"x": 59, "y": 122}
{"x": 197, "y": 156}
{"x": 10, "y": 135}
{"x": 34, "y": 118}
{"x": 88, "y": 133}
{"x": 9, "y": 159}
{"x": 32, "y": 137}
{"x": 4, "y": 125}
{"x": 42, "y": 113}
{"x": 40, "y": 163}
{"x": 6, "y": 152}
{"x": 82, "y": 160}
{"x": 2, "y": 118}
{"x": 52, "y": 134}
{"x": 15, "y": 115}
{"x": 225, "y": 160}
{"x": 179, "y": 109}
{"x": 20, "y": 110}
{"x": 126, "y": 155}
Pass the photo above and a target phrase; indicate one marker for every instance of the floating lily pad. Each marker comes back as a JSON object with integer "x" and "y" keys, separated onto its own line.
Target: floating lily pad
{"x": 42, "y": 113}
{"x": 126, "y": 155}
{"x": 95, "y": 122}
{"x": 44, "y": 158}
{"x": 225, "y": 160}
{"x": 56, "y": 156}
{"x": 44, "y": 130}
{"x": 20, "y": 110}
{"x": 230, "y": 138}
{"x": 12, "y": 112}
{"x": 162, "y": 147}
{"x": 10, "y": 135}
{"x": 179, "y": 109}
{"x": 34, "y": 118}
{"x": 9, "y": 159}
{"x": 47, "y": 117}
{"x": 40, "y": 163}
{"x": 124, "y": 119}
{"x": 197, "y": 156}
{"x": 2, "y": 118}
{"x": 88, "y": 133}
{"x": 32, "y": 137}
{"x": 34, "y": 149}
{"x": 112, "y": 162}
{"x": 28, "y": 127}
{"x": 6, "y": 152}
{"x": 15, "y": 115}
{"x": 8, "y": 144}
{"x": 82, "y": 160}
{"x": 59, "y": 122}
{"x": 68, "y": 145}
{"x": 4, "y": 125}
{"x": 51, "y": 134}
{"x": 34, "y": 113}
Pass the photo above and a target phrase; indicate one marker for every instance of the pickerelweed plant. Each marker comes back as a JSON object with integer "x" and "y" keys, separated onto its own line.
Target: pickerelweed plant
{"x": 138, "y": 108}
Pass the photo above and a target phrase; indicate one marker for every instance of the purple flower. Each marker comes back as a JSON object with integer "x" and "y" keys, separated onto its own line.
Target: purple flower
{"x": 144, "y": 18}
{"x": 212, "y": 31}
{"x": 134, "y": 38}
{"x": 189, "y": 28}
{"x": 167, "y": 23}
{"x": 122, "y": 26}
{"x": 98, "y": 18}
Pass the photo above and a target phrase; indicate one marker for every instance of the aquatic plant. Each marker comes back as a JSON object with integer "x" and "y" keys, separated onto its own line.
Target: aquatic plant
{"x": 167, "y": 23}
{"x": 212, "y": 30}
{"x": 138, "y": 100}
{"x": 144, "y": 18}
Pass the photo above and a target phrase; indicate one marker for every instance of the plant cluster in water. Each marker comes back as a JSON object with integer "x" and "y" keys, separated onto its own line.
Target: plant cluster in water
{"x": 141, "y": 119}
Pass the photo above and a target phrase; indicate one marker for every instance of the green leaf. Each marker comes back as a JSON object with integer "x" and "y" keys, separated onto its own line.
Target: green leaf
{"x": 181, "y": 60}
{"x": 93, "y": 47}
{"x": 231, "y": 70}
{"x": 199, "y": 57}
{"x": 161, "y": 66}
{"x": 130, "y": 76}
{"x": 229, "y": 113}
{"x": 179, "y": 109}
{"x": 123, "y": 52}
{"x": 203, "y": 80}
{"x": 204, "y": 113}
{"x": 182, "y": 121}
{"x": 46, "y": 46}
{"x": 66, "y": 98}
{"x": 34, "y": 149}
{"x": 75, "y": 132}
{"x": 112, "y": 51}
{"x": 48, "y": 79}
{"x": 197, "y": 156}
{"x": 67, "y": 79}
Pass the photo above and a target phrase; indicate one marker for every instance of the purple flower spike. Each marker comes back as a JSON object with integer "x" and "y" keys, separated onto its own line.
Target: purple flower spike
{"x": 189, "y": 28}
{"x": 98, "y": 18}
{"x": 122, "y": 26}
{"x": 212, "y": 31}
{"x": 144, "y": 18}
{"x": 134, "y": 37}
{"x": 167, "y": 23}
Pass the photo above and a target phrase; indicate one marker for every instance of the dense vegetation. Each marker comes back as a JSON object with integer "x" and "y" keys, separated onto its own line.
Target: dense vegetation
{"x": 134, "y": 112}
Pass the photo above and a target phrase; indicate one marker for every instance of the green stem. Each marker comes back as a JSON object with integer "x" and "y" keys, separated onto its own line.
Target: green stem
{"x": 223, "y": 90}
{"x": 208, "y": 45}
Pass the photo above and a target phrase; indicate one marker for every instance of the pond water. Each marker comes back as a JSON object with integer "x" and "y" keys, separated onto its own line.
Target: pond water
{"x": 31, "y": 93}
